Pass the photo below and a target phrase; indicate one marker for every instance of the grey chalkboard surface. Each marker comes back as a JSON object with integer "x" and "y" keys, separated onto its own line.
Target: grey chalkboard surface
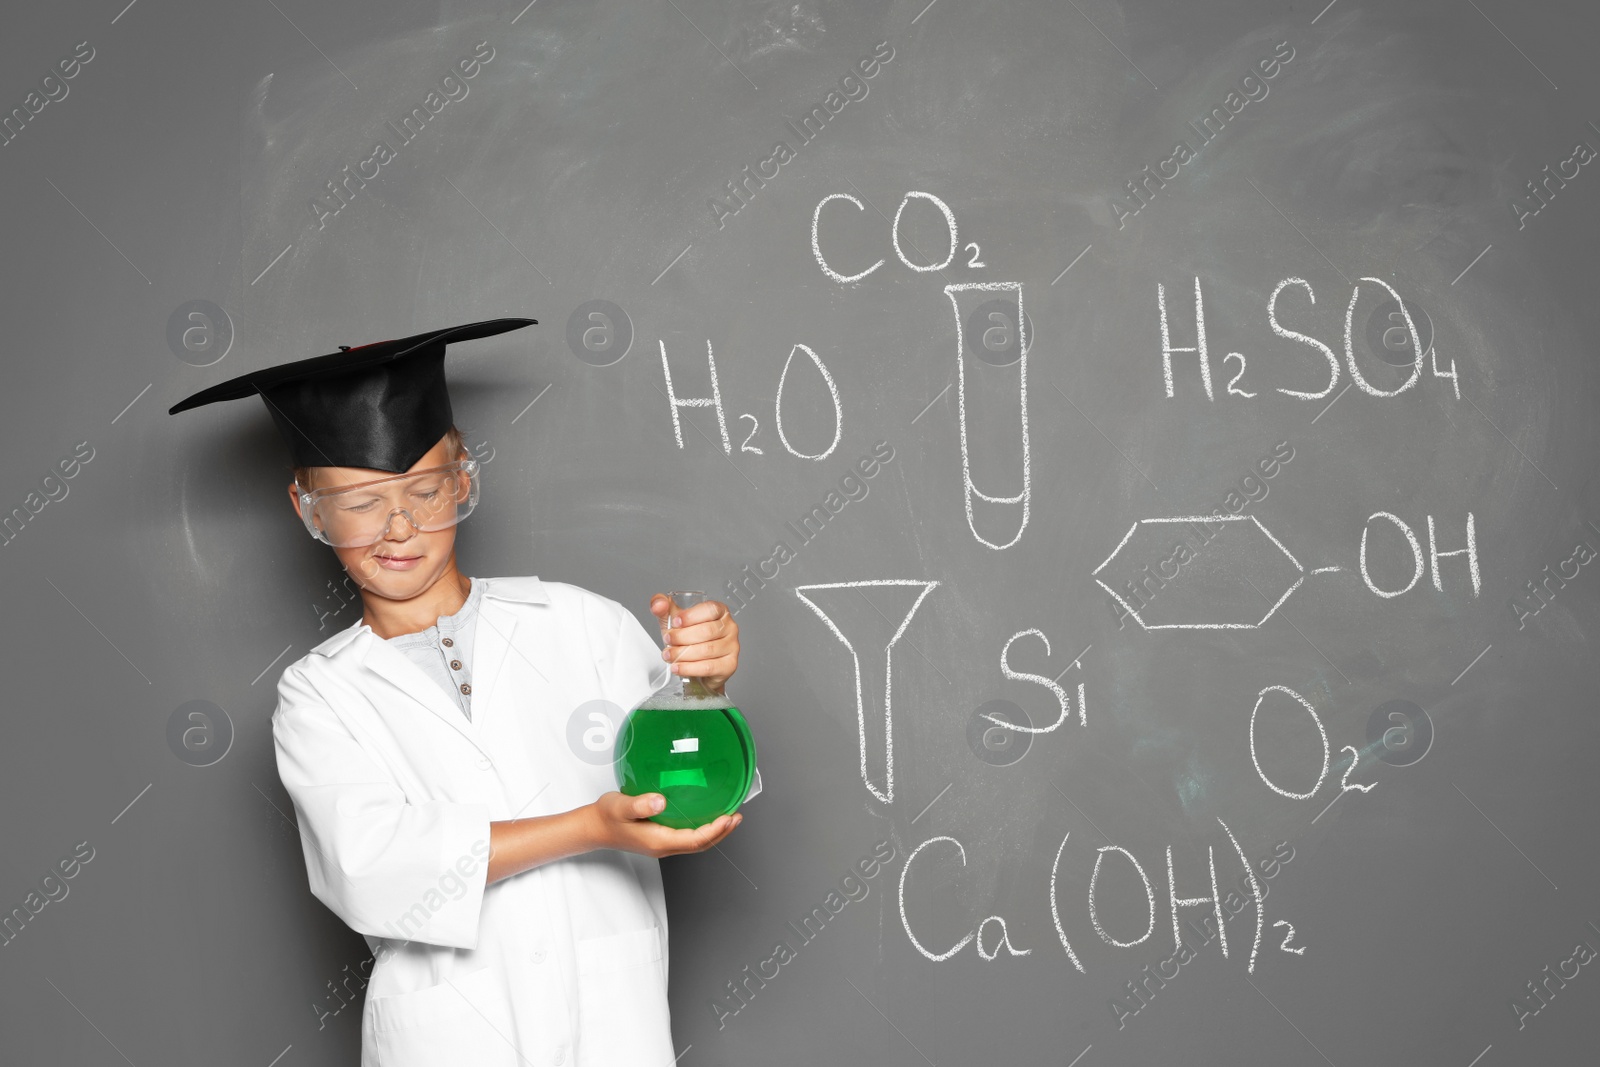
{"x": 1149, "y": 447}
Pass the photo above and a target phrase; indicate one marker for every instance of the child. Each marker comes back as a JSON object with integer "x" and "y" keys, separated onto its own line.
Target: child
{"x": 511, "y": 897}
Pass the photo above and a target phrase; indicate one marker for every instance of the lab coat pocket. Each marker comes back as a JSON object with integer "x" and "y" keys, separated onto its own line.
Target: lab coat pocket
{"x": 622, "y": 1000}
{"x": 464, "y": 1019}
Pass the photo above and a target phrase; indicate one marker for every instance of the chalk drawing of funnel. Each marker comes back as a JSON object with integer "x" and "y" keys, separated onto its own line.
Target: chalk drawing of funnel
{"x": 875, "y": 723}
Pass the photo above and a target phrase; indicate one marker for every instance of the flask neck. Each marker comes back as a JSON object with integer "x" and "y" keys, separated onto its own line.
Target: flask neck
{"x": 680, "y": 692}
{"x": 692, "y": 688}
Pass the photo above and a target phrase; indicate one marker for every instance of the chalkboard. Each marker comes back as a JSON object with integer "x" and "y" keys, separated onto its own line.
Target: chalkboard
{"x": 1147, "y": 446}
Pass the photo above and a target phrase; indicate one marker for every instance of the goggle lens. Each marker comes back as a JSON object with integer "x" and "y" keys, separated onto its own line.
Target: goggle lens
{"x": 432, "y": 500}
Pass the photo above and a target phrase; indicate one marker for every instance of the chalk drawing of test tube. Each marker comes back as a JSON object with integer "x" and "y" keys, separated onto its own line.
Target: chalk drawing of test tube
{"x": 963, "y": 352}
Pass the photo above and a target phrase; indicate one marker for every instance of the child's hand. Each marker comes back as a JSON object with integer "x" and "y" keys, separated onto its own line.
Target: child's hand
{"x": 623, "y": 822}
{"x": 704, "y": 646}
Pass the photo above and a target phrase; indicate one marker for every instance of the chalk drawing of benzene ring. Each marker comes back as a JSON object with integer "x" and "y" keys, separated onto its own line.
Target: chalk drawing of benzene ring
{"x": 1201, "y": 625}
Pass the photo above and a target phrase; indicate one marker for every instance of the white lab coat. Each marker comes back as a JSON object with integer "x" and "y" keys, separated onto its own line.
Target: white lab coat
{"x": 394, "y": 790}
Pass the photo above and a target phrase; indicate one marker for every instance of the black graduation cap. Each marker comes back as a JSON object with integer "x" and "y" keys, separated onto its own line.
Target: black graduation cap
{"x": 380, "y": 405}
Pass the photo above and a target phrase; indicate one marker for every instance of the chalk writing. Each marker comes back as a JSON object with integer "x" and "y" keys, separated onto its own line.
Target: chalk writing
{"x": 1257, "y": 896}
{"x": 712, "y": 401}
{"x": 1149, "y": 893}
{"x": 1321, "y": 732}
{"x": 1434, "y": 555}
{"x": 1142, "y": 990}
{"x": 894, "y": 237}
{"x": 674, "y": 402}
{"x": 1048, "y": 683}
{"x": 1345, "y": 784}
{"x": 1236, "y": 386}
{"x": 833, "y": 391}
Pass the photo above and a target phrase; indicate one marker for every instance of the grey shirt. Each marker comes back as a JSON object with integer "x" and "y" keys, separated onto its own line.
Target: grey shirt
{"x": 444, "y": 650}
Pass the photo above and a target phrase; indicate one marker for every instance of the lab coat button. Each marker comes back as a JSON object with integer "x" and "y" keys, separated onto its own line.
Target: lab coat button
{"x": 560, "y": 1055}
{"x": 485, "y": 763}
{"x": 538, "y": 955}
{"x": 466, "y": 688}
{"x": 455, "y": 665}
{"x": 447, "y": 643}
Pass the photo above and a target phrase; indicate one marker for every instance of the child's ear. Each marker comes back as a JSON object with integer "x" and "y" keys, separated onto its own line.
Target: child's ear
{"x": 294, "y": 498}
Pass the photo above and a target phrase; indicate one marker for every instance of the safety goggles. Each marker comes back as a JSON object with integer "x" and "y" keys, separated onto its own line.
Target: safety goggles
{"x": 348, "y": 516}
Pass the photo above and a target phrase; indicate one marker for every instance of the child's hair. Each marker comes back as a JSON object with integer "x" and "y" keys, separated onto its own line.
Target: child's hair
{"x": 454, "y": 445}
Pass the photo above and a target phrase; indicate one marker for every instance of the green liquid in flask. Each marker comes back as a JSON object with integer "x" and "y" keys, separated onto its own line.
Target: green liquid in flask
{"x": 694, "y": 750}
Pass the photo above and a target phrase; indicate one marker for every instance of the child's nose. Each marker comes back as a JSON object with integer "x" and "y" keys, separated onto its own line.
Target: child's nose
{"x": 400, "y": 530}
